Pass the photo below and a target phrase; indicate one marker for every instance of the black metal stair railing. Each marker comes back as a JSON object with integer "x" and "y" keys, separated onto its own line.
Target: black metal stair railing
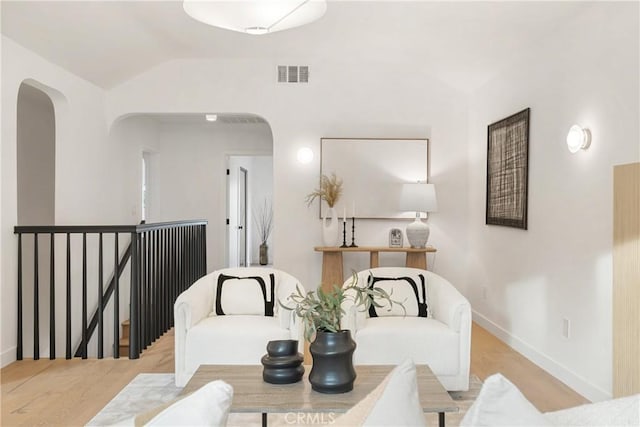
{"x": 97, "y": 320}
{"x": 166, "y": 258}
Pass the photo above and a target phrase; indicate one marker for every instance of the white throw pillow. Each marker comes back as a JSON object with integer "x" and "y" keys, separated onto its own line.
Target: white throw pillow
{"x": 620, "y": 412}
{"x": 500, "y": 403}
{"x": 394, "y": 402}
{"x": 207, "y": 406}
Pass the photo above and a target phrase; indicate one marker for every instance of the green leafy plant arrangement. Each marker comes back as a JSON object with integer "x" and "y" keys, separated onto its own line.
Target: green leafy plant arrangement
{"x": 321, "y": 310}
{"x": 330, "y": 190}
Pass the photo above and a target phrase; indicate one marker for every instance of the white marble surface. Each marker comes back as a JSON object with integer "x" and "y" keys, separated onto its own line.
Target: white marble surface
{"x": 144, "y": 392}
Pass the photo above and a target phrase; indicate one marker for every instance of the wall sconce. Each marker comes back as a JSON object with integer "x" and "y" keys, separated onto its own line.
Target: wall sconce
{"x": 305, "y": 155}
{"x": 578, "y": 138}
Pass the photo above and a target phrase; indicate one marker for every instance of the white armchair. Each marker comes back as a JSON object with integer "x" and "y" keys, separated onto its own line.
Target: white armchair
{"x": 441, "y": 340}
{"x": 225, "y": 318}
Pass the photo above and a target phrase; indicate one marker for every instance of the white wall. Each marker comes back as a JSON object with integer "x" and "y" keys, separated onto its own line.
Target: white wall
{"x": 96, "y": 180}
{"x": 36, "y": 157}
{"x": 340, "y": 101}
{"x": 129, "y": 139}
{"x": 587, "y": 73}
{"x": 260, "y": 190}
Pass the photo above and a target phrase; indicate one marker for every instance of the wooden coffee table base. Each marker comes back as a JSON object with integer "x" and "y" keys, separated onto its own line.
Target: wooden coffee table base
{"x": 252, "y": 395}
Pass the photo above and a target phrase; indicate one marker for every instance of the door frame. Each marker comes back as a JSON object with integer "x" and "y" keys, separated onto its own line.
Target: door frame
{"x": 227, "y": 197}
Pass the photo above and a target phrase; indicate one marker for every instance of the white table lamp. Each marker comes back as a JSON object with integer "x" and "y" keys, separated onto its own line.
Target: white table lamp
{"x": 419, "y": 197}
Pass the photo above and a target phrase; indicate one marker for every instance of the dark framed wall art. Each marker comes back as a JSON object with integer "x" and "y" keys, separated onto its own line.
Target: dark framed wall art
{"x": 507, "y": 171}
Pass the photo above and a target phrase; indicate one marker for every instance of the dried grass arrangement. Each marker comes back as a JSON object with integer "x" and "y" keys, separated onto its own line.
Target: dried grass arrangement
{"x": 330, "y": 190}
{"x": 263, "y": 217}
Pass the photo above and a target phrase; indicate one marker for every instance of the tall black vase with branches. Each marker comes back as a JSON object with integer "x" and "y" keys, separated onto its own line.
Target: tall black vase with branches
{"x": 263, "y": 217}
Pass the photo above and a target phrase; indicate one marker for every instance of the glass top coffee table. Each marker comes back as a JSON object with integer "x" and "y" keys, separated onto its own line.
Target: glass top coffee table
{"x": 252, "y": 394}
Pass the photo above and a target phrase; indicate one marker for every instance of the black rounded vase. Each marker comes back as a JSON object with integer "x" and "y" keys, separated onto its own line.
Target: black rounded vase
{"x": 279, "y": 348}
{"x": 332, "y": 370}
{"x": 282, "y": 363}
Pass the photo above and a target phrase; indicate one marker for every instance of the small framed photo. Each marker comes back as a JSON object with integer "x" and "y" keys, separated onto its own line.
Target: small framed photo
{"x": 395, "y": 238}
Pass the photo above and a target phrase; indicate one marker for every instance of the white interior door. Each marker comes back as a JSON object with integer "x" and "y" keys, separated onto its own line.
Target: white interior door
{"x": 245, "y": 190}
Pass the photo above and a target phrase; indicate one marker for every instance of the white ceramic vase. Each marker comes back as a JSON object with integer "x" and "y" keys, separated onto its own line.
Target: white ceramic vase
{"x": 331, "y": 229}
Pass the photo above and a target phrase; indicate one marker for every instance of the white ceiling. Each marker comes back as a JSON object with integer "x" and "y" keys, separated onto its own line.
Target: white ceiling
{"x": 461, "y": 43}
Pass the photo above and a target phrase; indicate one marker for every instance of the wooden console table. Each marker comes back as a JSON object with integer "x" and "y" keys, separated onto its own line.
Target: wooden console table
{"x": 332, "y": 264}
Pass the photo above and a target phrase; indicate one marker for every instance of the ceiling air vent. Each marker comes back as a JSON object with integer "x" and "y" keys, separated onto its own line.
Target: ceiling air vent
{"x": 293, "y": 74}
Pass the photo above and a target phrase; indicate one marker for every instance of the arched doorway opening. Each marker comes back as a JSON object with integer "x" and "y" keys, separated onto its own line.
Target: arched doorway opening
{"x": 189, "y": 171}
{"x": 36, "y": 141}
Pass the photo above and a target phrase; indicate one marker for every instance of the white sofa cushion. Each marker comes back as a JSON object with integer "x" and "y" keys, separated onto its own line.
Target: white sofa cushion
{"x": 422, "y": 339}
{"x": 219, "y": 335}
{"x": 207, "y": 406}
{"x": 500, "y": 403}
{"x": 447, "y": 352}
{"x": 624, "y": 411}
{"x": 409, "y": 289}
{"x": 245, "y": 295}
{"x": 197, "y": 305}
{"x": 394, "y": 402}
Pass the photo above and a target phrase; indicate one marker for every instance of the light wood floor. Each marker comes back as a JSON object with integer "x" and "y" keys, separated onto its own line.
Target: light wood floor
{"x": 71, "y": 392}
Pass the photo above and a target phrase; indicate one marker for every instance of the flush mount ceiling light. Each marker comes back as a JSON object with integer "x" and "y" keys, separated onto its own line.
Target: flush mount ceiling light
{"x": 578, "y": 138}
{"x": 211, "y": 117}
{"x": 255, "y": 17}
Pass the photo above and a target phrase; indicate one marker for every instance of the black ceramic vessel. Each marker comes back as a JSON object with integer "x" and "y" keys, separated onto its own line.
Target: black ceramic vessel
{"x": 282, "y": 363}
{"x": 283, "y": 376}
{"x": 282, "y": 348}
{"x": 332, "y": 370}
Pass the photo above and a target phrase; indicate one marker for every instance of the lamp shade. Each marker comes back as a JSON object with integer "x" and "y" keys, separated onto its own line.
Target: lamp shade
{"x": 255, "y": 17}
{"x": 418, "y": 197}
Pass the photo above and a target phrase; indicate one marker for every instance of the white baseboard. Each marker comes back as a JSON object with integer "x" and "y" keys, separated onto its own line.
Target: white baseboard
{"x": 8, "y": 356}
{"x": 562, "y": 373}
